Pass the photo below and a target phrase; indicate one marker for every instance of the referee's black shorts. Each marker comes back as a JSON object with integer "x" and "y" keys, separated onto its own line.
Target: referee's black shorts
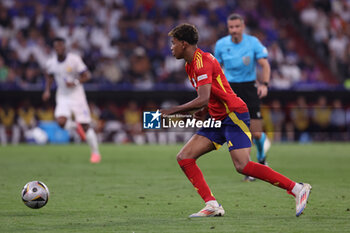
{"x": 247, "y": 91}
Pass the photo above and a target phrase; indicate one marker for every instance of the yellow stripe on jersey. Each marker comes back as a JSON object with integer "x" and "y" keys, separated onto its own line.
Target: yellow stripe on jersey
{"x": 227, "y": 109}
{"x": 240, "y": 124}
{"x": 223, "y": 88}
{"x": 199, "y": 60}
{"x": 220, "y": 82}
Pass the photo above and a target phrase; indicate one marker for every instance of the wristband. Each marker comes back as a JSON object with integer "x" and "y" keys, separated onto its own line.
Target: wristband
{"x": 266, "y": 84}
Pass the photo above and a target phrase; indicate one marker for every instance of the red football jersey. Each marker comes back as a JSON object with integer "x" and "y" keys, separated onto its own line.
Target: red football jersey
{"x": 205, "y": 69}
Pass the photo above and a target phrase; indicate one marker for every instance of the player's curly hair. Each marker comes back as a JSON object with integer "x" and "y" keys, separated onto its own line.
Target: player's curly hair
{"x": 185, "y": 32}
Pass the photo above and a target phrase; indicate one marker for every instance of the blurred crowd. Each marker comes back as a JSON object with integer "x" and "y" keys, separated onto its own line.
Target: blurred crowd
{"x": 305, "y": 121}
{"x": 125, "y": 42}
{"x": 300, "y": 120}
{"x": 125, "y": 46}
{"x": 328, "y": 25}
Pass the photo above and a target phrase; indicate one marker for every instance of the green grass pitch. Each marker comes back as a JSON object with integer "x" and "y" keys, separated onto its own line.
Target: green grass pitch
{"x": 142, "y": 189}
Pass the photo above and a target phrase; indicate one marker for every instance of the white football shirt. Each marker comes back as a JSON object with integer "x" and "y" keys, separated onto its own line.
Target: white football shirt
{"x": 67, "y": 71}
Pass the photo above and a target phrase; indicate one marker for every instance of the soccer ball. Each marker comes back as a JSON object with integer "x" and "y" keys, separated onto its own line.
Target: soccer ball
{"x": 35, "y": 194}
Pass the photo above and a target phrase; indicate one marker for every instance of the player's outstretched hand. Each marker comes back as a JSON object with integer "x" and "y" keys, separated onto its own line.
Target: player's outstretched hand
{"x": 200, "y": 115}
{"x": 46, "y": 95}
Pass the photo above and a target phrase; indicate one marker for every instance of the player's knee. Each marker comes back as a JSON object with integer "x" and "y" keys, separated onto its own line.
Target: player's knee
{"x": 181, "y": 156}
{"x": 85, "y": 127}
{"x": 61, "y": 123}
{"x": 240, "y": 167}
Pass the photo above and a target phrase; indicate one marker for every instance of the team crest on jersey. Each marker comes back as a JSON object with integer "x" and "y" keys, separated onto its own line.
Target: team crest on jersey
{"x": 246, "y": 60}
{"x": 69, "y": 69}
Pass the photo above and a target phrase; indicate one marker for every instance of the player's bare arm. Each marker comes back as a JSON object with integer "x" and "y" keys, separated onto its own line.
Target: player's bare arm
{"x": 49, "y": 80}
{"x": 199, "y": 102}
{"x": 266, "y": 70}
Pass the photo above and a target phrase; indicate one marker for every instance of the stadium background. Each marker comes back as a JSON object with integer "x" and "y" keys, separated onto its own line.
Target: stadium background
{"x": 125, "y": 45}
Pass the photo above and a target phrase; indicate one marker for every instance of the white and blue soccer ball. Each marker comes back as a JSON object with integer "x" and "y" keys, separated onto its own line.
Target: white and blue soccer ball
{"x": 35, "y": 194}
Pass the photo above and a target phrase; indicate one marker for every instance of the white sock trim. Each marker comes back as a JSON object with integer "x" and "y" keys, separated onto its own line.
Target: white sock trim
{"x": 213, "y": 203}
{"x": 296, "y": 189}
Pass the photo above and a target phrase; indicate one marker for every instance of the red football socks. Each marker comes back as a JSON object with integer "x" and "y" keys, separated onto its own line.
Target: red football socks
{"x": 265, "y": 173}
{"x": 195, "y": 175}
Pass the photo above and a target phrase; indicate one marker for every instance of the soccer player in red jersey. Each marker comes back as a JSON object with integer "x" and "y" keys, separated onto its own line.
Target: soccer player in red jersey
{"x": 216, "y": 97}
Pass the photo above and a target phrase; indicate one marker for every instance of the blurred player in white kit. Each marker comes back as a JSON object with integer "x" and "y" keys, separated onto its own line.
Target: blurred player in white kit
{"x": 69, "y": 72}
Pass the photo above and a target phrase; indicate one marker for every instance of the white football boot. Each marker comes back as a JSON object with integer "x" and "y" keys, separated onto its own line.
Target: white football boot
{"x": 248, "y": 179}
{"x": 209, "y": 211}
{"x": 301, "y": 198}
